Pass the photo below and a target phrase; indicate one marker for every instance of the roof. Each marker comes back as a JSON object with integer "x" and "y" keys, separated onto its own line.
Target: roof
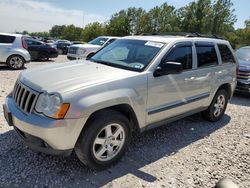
{"x": 11, "y": 34}
{"x": 171, "y": 38}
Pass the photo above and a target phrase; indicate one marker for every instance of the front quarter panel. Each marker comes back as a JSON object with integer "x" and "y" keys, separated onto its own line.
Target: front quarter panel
{"x": 131, "y": 91}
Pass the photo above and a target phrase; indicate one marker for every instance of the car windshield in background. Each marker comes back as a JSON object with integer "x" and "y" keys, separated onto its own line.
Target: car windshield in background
{"x": 243, "y": 53}
{"x": 98, "y": 41}
{"x": 128, "y": 54}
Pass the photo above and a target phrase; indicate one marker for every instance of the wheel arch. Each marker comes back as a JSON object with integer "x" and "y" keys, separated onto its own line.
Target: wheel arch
{"x": 124, "y": 109}
{"x": 228, "y": 88}
{"x": 11, "y": 55}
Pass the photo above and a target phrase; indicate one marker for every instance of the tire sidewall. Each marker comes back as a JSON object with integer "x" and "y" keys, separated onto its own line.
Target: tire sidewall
{"x": 89, "y": 135}
{"x": 211, "y": 107}
{"x": 8, "y": 62}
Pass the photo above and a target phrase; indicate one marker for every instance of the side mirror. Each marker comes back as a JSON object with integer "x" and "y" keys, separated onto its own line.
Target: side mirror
{"x": 168, "y": 68}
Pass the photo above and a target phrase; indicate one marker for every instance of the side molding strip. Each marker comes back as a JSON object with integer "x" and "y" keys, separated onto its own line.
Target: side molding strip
{"x": 179, "y": 103}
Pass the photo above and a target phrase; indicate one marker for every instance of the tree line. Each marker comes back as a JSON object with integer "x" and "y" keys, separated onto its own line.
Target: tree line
{"x": 202, "y": 16}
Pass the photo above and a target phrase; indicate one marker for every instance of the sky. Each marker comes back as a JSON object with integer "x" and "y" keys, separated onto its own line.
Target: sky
{"x": 41, "y": 15}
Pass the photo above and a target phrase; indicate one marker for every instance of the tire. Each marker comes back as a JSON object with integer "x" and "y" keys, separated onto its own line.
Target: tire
{"x": 43, "y": 56}
{"x": 60, "y": 51}
{"x": 217, "y": 107}
{"x": 15, "y": 62}
{"x": 93, "y": 145}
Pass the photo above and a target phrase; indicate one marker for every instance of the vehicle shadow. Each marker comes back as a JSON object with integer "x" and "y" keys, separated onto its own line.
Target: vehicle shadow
{"x": 6, "y": 68}
{"x": 241, "y": 99}
{"x": 21, "y": 166}
{"x": 49, "y": 60}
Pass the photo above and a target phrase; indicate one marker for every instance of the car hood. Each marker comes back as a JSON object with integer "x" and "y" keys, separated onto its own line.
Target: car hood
{"x": 244, "y": 65}
{"x": 64, "y": 77}
{"x": 86, "y": 46}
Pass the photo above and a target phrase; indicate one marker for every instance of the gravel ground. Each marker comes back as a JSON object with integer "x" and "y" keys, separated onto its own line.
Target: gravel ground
{"x": 187, "y": 153}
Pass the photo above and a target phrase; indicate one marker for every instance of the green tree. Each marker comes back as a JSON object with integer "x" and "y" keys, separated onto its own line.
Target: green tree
{"x": 247, "y": 23}
{"x": 57, "y": 31}
{"x": 196, "y": 17}
{"x": 92, "y": 31}
{"x": 72, "y": 33}
{"x": 125, "y": 22}
{"x": 223, "y": 17}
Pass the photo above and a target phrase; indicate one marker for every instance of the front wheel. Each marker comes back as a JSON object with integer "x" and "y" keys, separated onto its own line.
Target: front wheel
{"x": 217, "y": 107}
{"x": 104, "y": 141}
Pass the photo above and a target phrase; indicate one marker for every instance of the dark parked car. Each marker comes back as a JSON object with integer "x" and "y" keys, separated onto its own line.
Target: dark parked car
{"x": 40, "y": 50}
{"x": 243, "y": 77}
{"x": 62, "y": 46}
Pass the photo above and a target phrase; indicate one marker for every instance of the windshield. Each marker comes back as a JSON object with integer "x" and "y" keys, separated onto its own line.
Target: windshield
{"x": 243, "y": 53}
{"x": 128, "y": 54}
{"x": 98, "y": 41}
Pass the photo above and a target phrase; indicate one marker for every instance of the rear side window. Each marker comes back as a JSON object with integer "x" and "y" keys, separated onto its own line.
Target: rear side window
{"x": 226, "y": 54}
{"x": 206, "y": 54}
{"x": 7, "y": 39}
{"x": 181, "y": 54}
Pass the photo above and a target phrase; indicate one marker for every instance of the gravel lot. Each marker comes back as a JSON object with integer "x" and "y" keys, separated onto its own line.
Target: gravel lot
{"x": 186, "y": 153}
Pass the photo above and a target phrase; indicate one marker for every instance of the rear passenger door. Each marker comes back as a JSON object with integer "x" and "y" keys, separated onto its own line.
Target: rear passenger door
{"x": 207, "y": 67}
{"x": 175, "y": 94}
{"x": 227, "y": 68}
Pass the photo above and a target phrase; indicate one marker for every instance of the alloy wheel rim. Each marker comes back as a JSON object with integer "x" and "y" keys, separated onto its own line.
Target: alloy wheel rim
{"x": 108, "y": 142}
{"x": 219, "y": 105}
{"x": 16, "y": 62}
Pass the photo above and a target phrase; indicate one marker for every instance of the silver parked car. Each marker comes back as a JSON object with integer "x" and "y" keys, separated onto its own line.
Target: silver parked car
{"x": 83, "y": 51}
{"x": 13, "y": 51}
{"x": 134, "y": 84}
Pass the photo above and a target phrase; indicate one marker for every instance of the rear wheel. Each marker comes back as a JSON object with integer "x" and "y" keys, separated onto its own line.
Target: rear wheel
{"x": 104, "y": 140}
{"x": 15, "y": 62}
{"x": 218, "y": 106}
{"x": 44, "y": 56}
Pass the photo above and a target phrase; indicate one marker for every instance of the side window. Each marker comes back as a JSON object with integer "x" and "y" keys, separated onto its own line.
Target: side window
{"x": 181, "y": 54}
{"x": 28, "y": 42}
{"x": 36, "y": 43}
{"x": 7, "y": 39}
{"x": 226, "y": 54}
{"x": 109, "y": 42}
{"x": 206, "y": 55}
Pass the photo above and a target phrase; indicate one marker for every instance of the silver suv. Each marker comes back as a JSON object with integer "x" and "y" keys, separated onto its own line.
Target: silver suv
{"x": 134, "y": 84}
{"x": 13, "y": 51}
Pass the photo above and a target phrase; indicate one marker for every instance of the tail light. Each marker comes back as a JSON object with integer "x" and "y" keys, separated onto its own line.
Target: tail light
{"x": 24, "y": 43}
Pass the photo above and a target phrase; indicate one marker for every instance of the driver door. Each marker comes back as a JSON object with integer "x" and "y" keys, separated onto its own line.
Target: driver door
{"x": 175, "y": 94}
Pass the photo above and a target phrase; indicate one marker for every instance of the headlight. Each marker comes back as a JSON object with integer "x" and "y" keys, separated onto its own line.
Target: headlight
{"x": 81, "y": 51}
{"x": 51, "y": 105}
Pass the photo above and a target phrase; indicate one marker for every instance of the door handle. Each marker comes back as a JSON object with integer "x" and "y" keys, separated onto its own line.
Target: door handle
{"x": 189, "y": 79}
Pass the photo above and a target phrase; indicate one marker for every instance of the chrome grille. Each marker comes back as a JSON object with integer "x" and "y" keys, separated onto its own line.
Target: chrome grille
{"x": 25, "y": 98}
{"x": 243, "y": 75}
{"x": 73, "y": 50}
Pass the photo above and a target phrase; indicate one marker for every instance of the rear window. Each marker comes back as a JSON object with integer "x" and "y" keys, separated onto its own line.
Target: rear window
{"x": 7, "y": 39}
{"x": 226, "y": 54}
{"x": 206, "y": 54}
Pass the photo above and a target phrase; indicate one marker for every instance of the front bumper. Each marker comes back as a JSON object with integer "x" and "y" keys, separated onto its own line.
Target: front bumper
{"x": 245, "y": 88}
{"x": 75, "y": 56}
{"x": 41, "y": 133}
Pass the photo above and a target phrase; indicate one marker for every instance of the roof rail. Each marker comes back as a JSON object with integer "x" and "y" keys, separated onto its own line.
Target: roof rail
{"x": 184, "y": 34}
